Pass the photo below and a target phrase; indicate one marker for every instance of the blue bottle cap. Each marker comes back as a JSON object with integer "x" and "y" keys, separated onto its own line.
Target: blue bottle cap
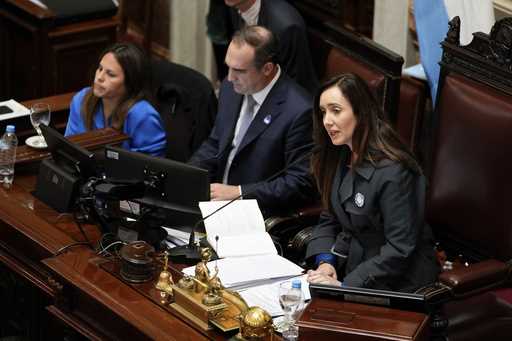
{"x": 296, "y": 284}
{"x": 10, "y": 128}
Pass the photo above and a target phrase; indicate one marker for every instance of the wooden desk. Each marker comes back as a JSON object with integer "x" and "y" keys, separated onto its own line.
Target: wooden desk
{"x": 53, "y": 295}
{"x": 328, "y": 320}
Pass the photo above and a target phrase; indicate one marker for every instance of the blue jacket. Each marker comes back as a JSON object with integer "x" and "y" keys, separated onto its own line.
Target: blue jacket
{"x": 142, "y": 125}
{"x": 278, "y": 135}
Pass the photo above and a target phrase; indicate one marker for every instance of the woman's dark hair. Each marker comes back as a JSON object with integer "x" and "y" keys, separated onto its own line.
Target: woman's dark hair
{"x": 373, "y": 138}
{"x": 136, "y": 69}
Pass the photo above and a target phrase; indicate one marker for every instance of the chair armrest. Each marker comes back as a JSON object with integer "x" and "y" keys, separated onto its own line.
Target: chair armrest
{"x": 476, "y": 278}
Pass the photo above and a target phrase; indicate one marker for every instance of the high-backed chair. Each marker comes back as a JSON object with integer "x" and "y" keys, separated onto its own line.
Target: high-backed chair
{"x": 411, "y": 112}
{"x": 469, "y": 201}
{"x": 187, "y": 104}
{"x": 337, "y": 50}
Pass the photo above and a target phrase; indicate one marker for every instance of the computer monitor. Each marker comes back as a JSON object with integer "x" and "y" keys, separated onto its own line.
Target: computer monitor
{"x": 73, "y": 158}
{"x": 390, "y": 299}
{"x": 60, "y": 178}
{"x": 173, "y": 187}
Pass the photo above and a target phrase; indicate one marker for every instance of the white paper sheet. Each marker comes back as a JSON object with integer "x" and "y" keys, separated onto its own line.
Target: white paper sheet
{"x": 17, "y": 110}
{"x": 239, "y": 226}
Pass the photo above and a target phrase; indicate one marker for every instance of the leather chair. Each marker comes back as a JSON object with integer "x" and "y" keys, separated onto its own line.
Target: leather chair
{"x": 187, "y": 104}
{"x": 468, "y": 202}
{"x": 336, "y": 50}
{"x": 411, "y": 112}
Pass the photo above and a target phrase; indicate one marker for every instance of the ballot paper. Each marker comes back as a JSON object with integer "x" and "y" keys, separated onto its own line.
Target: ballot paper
{"x": 16, "y": 110}
{"x": 237, "y": 229}
{"x": 244, "y": 272}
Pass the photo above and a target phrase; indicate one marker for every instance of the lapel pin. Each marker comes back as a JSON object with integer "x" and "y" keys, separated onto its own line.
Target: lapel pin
{"x": 359, "y": 200}
{"x": 267, "y": 119}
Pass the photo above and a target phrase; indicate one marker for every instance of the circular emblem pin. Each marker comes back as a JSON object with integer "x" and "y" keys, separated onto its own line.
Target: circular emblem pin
{"x": 359, "y": 199}
{"x": 267, "y": 119}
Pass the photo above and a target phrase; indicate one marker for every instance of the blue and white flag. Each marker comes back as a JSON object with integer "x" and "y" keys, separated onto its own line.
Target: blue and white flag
{"x": 432, "y": 18}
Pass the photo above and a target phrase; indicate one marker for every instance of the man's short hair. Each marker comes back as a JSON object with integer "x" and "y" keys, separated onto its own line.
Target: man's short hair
{"x": 266, "y": 45}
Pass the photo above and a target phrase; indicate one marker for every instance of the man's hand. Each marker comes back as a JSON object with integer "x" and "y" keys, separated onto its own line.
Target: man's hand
{"x": 223, "y": 192}
{"x": 324, "y": 274}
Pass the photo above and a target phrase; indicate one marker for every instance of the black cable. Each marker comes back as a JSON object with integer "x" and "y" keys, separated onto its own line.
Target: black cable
{"x": 80, "y": 227}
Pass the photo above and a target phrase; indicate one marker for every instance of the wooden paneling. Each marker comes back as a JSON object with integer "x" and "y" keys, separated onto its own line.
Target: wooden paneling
{"x": 40, "y": 58}
{"x": 356, "y": 15}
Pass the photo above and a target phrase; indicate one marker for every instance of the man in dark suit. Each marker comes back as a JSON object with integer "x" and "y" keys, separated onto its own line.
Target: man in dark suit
{"x": 288, "y": 26}
{"x": 263, "y": 125}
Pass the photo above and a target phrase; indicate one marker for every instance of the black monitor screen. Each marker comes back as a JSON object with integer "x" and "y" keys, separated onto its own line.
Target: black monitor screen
{"x": 171, "y": 185}
{"x": 391, "y": 299}
{"x": 69, "y": 156}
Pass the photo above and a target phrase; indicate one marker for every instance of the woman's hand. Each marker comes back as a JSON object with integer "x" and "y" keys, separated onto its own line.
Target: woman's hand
{"x": 324, "y": 274}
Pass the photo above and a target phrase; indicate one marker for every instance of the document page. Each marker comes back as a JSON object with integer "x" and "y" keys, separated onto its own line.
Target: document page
{"x": 240, "y": 228}
{"x": 245, "y": 271}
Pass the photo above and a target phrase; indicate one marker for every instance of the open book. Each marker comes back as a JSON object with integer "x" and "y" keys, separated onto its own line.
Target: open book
{"x": 240, "y": 229}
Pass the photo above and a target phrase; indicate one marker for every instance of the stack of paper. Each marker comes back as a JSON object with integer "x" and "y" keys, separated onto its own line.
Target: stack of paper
{"x": 178, "y": 237}
{"x": 242, "y": 272}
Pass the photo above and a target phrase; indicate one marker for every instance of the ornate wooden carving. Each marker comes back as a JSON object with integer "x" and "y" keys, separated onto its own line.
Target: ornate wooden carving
{"x": 487, "y": 59}
{"x": 453, "y": 35}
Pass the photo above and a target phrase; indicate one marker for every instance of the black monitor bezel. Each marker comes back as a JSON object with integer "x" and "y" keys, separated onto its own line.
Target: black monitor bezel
{"x": 131, "y": 165}
{"x": 68, "y": 155}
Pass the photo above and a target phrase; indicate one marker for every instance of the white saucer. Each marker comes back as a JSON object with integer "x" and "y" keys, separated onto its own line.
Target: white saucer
{"x": 36, "y": 141}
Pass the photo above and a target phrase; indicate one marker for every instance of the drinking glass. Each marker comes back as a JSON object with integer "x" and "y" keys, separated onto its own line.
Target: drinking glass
{"x": 289, "y": 299}
{"x": 39, "y": 113}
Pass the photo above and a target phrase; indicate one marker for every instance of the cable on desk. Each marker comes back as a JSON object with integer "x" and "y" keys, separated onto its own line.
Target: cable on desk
{"x": 80, "y": 227}
{"x": 104, "y": 250}
{"x": 64, "y": 248}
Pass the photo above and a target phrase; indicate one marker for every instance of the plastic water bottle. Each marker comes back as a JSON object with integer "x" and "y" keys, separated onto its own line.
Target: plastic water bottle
{"x": 8, "y": 145}
{"x": 292, "y": 332}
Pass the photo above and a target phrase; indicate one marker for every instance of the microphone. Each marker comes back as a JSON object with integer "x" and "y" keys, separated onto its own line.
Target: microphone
{"x": 190, "y": 252}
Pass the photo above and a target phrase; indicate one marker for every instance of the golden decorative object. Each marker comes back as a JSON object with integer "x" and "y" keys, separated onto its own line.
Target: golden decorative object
{"x": 186, "y": 283}
{"x": 204, "y": 300}
{"x": 165, "y": 280}
{"x": 256, "y": 323}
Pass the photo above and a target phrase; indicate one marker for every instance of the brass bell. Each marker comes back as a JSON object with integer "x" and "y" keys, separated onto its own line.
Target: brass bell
{"x": 165, "y": 278}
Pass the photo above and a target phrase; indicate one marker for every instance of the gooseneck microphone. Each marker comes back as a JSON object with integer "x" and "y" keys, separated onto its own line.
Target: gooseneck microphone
{"x": 190, "y": 251}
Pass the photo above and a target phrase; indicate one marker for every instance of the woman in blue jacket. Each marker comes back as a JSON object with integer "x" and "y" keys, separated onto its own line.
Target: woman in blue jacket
{"x": 118, "y": 99}
{"x": 372, "y": 233}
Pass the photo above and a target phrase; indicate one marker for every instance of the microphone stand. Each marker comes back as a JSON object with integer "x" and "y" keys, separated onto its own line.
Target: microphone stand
{"x": 190, "y": 252}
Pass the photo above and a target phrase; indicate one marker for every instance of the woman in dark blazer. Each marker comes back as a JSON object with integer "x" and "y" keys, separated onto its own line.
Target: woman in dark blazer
{"x": 372, "y": 233}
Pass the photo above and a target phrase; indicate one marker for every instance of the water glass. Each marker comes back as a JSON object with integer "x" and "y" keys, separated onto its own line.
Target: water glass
{"x": 39, "y": 113}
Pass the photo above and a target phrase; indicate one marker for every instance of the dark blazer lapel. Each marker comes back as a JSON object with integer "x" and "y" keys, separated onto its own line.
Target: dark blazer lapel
{"x": 268, "y": 112}
{"x": 232, "y": 111}
{"x": 342, "y": 190}
{"x": 262, "y": 16}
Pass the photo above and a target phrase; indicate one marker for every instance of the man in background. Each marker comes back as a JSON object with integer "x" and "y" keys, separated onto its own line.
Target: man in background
{"x": 287, "y": 25}
{"x": 263, "y": 126}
